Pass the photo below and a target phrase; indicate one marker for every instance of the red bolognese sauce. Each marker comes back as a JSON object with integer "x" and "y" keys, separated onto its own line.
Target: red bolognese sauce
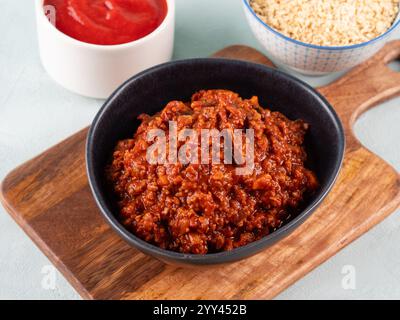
{"x": 203, "y": 208}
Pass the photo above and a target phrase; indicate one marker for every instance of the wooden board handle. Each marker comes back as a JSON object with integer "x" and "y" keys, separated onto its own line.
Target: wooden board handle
{"x": 365, "y": 86}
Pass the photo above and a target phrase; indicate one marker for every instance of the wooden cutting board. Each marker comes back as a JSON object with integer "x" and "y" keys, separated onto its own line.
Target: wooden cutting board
{"x": 49, "y": 198}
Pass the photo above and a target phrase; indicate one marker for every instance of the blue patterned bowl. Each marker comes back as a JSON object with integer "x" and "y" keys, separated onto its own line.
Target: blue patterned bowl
{"x": 312, "y": 59}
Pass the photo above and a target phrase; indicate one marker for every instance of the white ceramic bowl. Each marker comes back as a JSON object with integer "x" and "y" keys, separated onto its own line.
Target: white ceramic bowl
{"x": 97, "y": 70}
{"x": 312, "y": 59}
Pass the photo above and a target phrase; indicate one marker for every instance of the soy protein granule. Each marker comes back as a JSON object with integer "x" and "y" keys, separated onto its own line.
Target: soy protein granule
{"x": 328, "y": 22}
{"x": 205, "y": 208}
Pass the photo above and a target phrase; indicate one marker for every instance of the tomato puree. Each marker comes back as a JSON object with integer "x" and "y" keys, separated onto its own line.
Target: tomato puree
{"x": 108, "y": 22}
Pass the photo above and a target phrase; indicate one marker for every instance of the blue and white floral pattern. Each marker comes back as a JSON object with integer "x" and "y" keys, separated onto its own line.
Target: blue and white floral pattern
{"x": 312, "y": 59}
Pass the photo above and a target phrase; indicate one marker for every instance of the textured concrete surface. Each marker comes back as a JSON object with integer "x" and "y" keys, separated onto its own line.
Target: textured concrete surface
{"x": 36, "y": 113}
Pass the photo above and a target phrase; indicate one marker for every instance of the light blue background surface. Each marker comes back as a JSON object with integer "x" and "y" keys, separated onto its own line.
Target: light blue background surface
{"x": 35, "y": 113}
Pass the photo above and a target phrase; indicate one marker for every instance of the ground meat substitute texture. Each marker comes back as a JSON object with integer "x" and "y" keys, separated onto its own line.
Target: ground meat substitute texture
{"x": 206, "y": 208}
{"x": 328, "y": 22}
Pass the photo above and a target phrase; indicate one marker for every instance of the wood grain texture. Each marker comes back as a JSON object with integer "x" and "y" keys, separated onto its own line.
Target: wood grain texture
{"x": 50, "y": 199}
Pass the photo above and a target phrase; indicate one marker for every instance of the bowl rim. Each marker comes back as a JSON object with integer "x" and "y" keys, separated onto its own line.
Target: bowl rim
{"x": 395, "y": 24}
{"x": 224, "y": 256}
{"x": 167, "y": 20}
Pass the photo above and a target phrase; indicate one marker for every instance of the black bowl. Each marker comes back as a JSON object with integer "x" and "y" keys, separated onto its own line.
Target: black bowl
{"x": 149, "y": 91}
